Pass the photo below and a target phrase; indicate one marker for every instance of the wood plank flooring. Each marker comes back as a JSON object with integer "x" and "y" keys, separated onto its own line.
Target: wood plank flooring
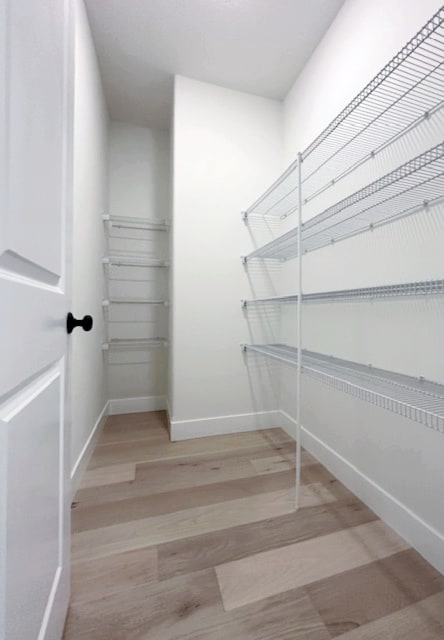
{"x": 199, "y": 540}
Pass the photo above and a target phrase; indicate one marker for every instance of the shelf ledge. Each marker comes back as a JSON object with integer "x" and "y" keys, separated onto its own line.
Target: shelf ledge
{"x": 413, "y": 398}
{"x": 399, "y": 290}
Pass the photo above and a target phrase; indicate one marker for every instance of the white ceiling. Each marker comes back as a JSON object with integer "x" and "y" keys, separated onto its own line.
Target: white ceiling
{"x": 257, "y": 46}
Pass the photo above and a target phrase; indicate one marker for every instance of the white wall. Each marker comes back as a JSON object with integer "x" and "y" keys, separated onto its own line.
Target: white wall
{"x": 391, "y": 462}
{"x": 139, "y": 186}
{"x": 227, "y": 146}
{"x": 88, "y": 383}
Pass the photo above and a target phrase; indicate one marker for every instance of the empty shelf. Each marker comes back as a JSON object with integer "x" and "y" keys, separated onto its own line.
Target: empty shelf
{"x": 133, "y": 261}
{"x": 107, "y": 303}
{"x": 283, "y": 247}
{"x": 409, "y": 89}
{"x": 406, "y": 91}
{"x": 414, "y": 398}
{"x": 143, "y": 224}
{"x": 420, "y": 288}
{"x": 270, "y": 300}
{"x": 135, "y": 343}
{"x": 412, "y": 187}
{"x": 281, "y": 199}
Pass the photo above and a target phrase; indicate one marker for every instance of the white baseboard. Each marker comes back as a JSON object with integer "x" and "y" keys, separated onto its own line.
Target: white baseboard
{"x": 137, "y": 405}
{"x": 421, "y": 536}
{"x": 288, "y": 424}
{"x": 85, "y": 454}
{"x": 219, "y": 425}
{"x": 169, "y": 415}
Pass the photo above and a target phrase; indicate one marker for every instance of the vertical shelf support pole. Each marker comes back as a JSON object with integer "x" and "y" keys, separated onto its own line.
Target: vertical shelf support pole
{"x": 299, "y": 341}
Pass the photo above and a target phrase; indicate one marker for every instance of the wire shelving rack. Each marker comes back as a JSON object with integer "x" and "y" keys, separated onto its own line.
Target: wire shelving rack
{"x": 412, "y": 187}
{"x": 414, "y": 398}
{"x": 131, "y": 259}
{"x": 407, "y": 91}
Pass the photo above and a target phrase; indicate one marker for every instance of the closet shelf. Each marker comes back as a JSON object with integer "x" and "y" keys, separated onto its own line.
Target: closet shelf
{"x": 107, "y": 303}
{"x": 142, "y": 224}
{"x": 280, "y": 200}
{"x": 405, "y": 289}
{"x": 408, "y": 90}
{"x": 271, "y": 300}
{"x": 413, "y": 186}
{"x": 134, "y": 343}
{"x": 414, "y": 398}
{"x": 133, "y": 261}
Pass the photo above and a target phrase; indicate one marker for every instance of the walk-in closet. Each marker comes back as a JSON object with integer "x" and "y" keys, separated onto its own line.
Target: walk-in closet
{"x": 222, "y": 276}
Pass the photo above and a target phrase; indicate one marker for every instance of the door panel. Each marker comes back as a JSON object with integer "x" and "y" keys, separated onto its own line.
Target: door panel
{"x": 32, "y": 495}
{"x": 36, "y": 80}
{"x": 29, "y": 309}
{"x": 35, "y": 133}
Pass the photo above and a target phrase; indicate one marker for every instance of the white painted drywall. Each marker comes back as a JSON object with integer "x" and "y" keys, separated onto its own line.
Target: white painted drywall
{"x": 139, "y": 186}
{"x": 227, "y": 146}
{"x": 88, "y": 384}
{"x": 392, "y": 462}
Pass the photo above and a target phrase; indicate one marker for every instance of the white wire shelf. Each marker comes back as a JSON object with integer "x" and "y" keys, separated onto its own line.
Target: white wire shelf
{"x": 413, "y": 398}
{"x": 281, "y": 199}
{"x": 142, "y": 224}
{"x": 399, "y": 290}
{"x": 408, "y": 90}
{"x": 133, "y": 261}
{"x": 288, "y": 299}
{"x": 107, "y": 303}
{"x": 134, "y": 343}
{"x": 410, "y": 188}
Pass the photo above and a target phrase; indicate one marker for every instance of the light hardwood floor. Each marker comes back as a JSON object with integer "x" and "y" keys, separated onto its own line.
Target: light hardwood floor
{"x": 199, "y": 540}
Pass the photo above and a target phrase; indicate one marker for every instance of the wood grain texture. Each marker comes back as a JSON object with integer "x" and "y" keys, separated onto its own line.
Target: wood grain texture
{"x": 169, "y": 475}
{"x": 218, "y": 547}
{"x": 97, "y": 516}
{"x": 190, "y": 609}
{"x": 104, "y": 476}
{"x": 191, "y": 522}
{"x": 390, "y": 584}
{"x": 99, "y": 578}
{"x": 265, "y": 574}
{"x": 421, "y": 621}
{"x": 146, "y": 450}
{"x": 138, "y": 426}
{"x": 272, "y": 464}
{"x": 155, "y": 521}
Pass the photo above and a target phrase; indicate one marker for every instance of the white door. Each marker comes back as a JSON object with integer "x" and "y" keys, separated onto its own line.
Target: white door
{"x": 36, "y": 79}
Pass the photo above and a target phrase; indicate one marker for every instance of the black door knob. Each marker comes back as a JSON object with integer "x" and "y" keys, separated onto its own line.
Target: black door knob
{"x": 71, "y": 323}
